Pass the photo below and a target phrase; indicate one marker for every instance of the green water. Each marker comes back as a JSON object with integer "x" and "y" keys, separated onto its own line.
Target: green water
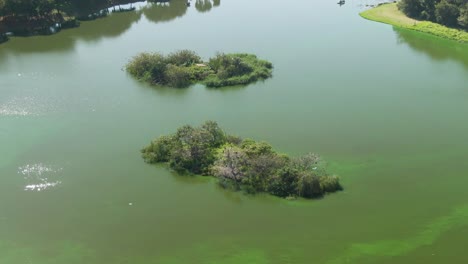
{"x": 386, "y": 108}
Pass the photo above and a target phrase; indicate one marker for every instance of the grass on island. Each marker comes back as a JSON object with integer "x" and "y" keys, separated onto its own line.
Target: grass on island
{"x": 184, "y": 68}
{"x": 389, "y": 14}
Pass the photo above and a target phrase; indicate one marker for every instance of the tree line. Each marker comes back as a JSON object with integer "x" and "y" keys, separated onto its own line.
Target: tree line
{"x": 451, "y": 13}
{"x": 34, "y": 8}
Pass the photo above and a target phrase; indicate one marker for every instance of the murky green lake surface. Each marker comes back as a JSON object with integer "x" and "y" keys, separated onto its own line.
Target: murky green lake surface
{"x": 387, "y": 108}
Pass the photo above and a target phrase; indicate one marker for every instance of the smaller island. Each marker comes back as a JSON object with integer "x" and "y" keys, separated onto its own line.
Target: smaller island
{"x": 394, "y": 14}
{"x": 184, "y": 68}
{"x": 241, "y": 164}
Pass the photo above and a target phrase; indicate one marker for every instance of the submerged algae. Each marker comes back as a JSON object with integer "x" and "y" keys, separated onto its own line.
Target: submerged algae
{"x": 398, "y": 247}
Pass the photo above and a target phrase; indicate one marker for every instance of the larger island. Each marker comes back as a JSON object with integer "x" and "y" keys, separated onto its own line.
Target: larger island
{"x": 241, "y": 164}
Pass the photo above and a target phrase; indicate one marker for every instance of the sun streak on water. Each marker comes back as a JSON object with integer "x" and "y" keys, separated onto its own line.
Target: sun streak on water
{"x": 31, "y": 105}
{"x": 39, "y": 177}
{"x": 18, "y": 107}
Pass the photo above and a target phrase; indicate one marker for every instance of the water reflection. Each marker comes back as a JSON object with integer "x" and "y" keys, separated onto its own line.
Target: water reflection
{"x": 39, "y": 177}
{"x": 29, "y": 105}
{"x": 111, "y": 26}
{"x": 203, "y": 5}
{"x": 17, "y": 107}
{"x": 85, "y": 7}
{"x": 163, "y": 11}
{"x": 434, "y": 47}
{"x": 206, "y": 5}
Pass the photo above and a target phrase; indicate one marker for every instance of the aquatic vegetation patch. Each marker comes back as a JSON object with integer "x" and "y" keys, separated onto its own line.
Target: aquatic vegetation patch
{"x": 395, "y": 247}
{"x": 246, "y": 256}
{"x": 241, "y": 164}
{"x": 184, "y": 68}
{"x": 63, "y": 251}
{"x": 213, "y": 252}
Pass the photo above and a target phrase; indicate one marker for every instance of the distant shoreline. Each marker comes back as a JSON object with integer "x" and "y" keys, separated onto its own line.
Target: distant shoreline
{"x": 56, "y": 19}
{"x": 389, "y": 14}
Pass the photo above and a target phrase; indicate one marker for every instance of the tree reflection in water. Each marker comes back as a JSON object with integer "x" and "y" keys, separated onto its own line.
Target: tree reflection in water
{"x": 203, "y": 6}
{"x": 434, "y": 47}
{"x": 111, "y": 26}
{"x": 163, "y": 11}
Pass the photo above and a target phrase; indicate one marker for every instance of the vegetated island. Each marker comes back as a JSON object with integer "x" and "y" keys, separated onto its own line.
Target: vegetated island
{"x": 452, "y": 20}
{"x": 184, "y": 68}
{"x": 241, "y": 164}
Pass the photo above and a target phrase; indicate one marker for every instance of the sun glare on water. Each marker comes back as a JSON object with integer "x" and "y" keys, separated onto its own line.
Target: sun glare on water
{"x": 39, "y": 177}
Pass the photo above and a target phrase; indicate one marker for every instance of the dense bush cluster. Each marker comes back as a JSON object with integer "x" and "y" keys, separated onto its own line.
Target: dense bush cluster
{"x": 178, "y": 69}
{"x": 237, "y": 69}
{"x": 451, "y": 13}
{"x": 28, "y": 7}
{"x": 241, "y": 164}
{"x": 183, "y": 68}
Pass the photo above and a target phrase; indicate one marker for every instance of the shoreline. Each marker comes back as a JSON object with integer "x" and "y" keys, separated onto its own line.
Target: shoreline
{"x": 53, "y": 22}
{"x": 389, "y": 14}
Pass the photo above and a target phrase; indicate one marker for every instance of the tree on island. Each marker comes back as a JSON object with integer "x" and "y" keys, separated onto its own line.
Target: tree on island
{"x": 241, "y": 164}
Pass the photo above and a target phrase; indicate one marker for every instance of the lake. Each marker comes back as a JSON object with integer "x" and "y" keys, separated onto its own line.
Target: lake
{"x": 386, "y": 108}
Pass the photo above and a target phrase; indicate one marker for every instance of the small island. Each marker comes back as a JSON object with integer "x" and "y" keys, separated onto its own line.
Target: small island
{"x": 442, "y": 19}
{"x": 183, "y": 68}
{"x": 241, "y": 164}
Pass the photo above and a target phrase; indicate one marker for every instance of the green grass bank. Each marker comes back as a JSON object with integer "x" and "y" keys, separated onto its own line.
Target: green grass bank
{"x": 389, "y": 14}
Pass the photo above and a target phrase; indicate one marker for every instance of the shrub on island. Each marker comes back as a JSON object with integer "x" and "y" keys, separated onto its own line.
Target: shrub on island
{"x": 241, "y": 164}
{"x": 184, "y": 68}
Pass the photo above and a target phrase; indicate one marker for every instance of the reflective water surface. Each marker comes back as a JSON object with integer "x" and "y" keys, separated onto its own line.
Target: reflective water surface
{"x": 387, "y": 109}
